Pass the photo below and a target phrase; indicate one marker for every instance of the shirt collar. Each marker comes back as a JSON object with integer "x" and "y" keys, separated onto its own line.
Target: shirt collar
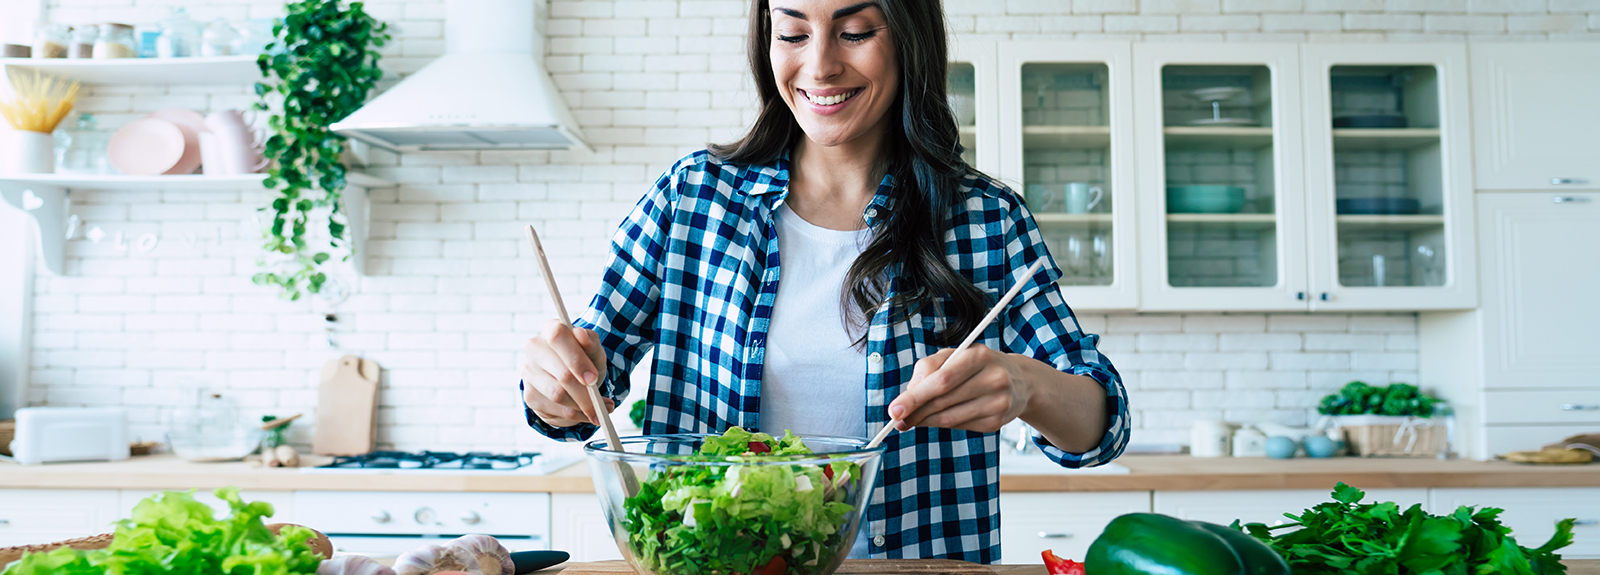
{"x": 775, "y": 178}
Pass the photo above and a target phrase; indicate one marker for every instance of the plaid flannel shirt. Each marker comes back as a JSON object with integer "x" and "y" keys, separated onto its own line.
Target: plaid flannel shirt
{"x": 693, "y": 275}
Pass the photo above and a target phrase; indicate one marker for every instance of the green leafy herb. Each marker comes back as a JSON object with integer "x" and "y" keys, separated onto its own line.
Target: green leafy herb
{"x": 1346, "y": 536}
{"x": 172, "y": 533}
{"x": 320, "y": 68}
{"x": 742, "y": 518}
{"x": 1357, "y": 398}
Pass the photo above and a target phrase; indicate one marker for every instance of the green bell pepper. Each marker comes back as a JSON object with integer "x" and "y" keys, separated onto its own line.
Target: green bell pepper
{"x": 1152, "y": 544}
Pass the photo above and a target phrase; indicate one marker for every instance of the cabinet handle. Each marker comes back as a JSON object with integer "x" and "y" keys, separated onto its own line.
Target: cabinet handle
{"x": 1567, "y": 181}
{"x": 1569, "y": 199}
{"x": 1300, "y": 295}
{"x": 1579, "y": 407}
{"x": 1586, "y": 522}
{"x": 1325, "y": 296}
{"x": 381, "y": 517}
{"x": 5, "y": 521}
{"x": 471, "y": 518}
{"x": 1048, "y": 535}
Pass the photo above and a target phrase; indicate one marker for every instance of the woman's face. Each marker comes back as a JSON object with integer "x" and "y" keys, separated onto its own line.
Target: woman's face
{"x": 834, "y": 63}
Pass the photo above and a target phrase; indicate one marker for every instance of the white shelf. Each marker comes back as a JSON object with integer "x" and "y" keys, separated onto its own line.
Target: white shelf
{"x": 1240, "y": 221}
{"x": 214, "y": 70}
{"x": 1388, "y": 222}
{"x": 1059, "y": 218}
{"x": 1077, "y": 137}
{"x": 1229, "y": 136}
{"x": 1383, "y": 138}
{"x": 46, "y": 198}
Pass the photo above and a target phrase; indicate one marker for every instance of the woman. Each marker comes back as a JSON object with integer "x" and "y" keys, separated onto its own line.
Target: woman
{"x": 850, "y": 188}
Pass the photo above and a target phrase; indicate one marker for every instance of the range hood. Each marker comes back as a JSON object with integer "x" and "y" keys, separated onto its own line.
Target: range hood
{"x": 488, "y": 92}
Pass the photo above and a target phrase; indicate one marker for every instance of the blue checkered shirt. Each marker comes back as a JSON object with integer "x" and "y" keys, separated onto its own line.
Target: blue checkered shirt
{"x": 693, "y": 275}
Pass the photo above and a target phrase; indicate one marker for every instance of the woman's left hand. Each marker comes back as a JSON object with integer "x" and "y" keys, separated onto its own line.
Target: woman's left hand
{"x": 979, "y": 390}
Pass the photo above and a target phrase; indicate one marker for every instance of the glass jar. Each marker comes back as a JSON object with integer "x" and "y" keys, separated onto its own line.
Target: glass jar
{"x": 82, "y": 150}
{"x": 50, "y": 40}
{"x": 83, "y": 38}
{"x": 219, "y": 39}
{"x": 255, "y": 36}
{"x": 115, "y": 41}
{"x": 180, "y": 36}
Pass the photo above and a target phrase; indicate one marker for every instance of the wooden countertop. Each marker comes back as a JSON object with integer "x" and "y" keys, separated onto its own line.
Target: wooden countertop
{"x": 1149, "y": 473}
{"x": 1574, "y": 567}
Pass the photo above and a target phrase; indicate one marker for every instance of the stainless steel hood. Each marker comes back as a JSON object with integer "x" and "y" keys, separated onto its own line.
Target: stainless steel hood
{"x": 488, "y": 92}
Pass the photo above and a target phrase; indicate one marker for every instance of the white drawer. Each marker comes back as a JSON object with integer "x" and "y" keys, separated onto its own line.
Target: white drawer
{"x": 1063, "y": 522}
{"x": 1266, "y": 507}
{"x": 1500, "y": 439}
{"x": 29, "y": 516}
{"x": 282, "y": 502}
{"x": 1542, "y": 407}
{"x": 1532, "y": 513}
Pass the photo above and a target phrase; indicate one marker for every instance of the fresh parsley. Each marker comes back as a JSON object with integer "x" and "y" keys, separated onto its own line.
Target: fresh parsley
{"x": 1346, "y": 536}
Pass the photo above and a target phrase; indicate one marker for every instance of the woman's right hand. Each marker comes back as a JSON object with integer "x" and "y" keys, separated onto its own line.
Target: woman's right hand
{"x": 555, "y": 368}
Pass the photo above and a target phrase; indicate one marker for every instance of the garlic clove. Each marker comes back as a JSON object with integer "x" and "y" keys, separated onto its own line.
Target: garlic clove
{"x": 493, "y": 558}
{"x": 434, "y": 559}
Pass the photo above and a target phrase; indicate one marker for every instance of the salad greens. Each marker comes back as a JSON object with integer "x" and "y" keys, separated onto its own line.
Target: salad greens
{"x": 172, "y": 533}
{"x": 752, "y": 519}
{"x": 1358, "y": 398}
{"x": 1346, "y": 536}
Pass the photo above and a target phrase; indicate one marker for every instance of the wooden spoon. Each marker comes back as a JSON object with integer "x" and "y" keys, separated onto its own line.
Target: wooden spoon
{"x": 971, "y": 337}
{"x": 630, "y": 482}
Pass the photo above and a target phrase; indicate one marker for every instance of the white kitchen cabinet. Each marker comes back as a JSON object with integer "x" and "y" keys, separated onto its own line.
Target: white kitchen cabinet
{"x": 31, "y": 516}
{"x": 972, "y": 89}
{"x": 1066, "y": 120}
{"x": 1532, "y": 513}
{"x": 282, "y": 502}
{"x": 1533, "y": 110}
{"x": 1065, "y": 523}
{"x": 1520, "y": 369}
{"x": 578, "y": 526}
{"x": 1220, "y": 161}
{"x": 1388, "y": 124}
{"x": 1266, "y": 507}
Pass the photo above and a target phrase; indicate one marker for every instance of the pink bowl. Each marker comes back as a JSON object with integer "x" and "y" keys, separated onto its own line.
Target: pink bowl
{"x": 147, "y": 147}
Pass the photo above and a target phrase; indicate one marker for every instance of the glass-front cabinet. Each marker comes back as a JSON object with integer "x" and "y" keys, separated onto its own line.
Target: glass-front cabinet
{"x": 1220, "y": 177}
{"x": 1066, "y": 144}
{"x": 1388, "y": 184}
{"x": 972, "y": 93}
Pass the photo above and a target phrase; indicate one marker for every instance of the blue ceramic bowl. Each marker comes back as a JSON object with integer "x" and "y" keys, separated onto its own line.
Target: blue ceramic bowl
{"x": 1204, "y": 199}
{"x": 1321, "y": 446}
{"x": 1280, "y": 447}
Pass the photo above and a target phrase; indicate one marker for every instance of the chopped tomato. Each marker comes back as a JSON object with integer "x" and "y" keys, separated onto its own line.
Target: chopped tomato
{"x": 759, "y": 447}
{"x": 1058, "y": 566}
{"x": 827, "y": 471}
{"x": 774, "y": 567}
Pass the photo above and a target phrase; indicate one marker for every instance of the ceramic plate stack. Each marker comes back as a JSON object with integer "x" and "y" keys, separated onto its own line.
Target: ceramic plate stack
{"x": 164, "y": 143}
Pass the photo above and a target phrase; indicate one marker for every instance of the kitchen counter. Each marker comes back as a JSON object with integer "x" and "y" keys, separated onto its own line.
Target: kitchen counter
{"x": 1148, "y": 473}
{"x": 1574, "y": 567}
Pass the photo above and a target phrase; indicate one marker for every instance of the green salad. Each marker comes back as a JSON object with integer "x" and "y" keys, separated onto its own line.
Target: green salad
{"x": 751, "y": 519}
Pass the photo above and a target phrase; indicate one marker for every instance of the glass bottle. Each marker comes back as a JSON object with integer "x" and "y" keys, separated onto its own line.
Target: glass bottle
{"x": 219, "y": 39}
{"x": 83, "y": 148}
{"x": 180, "y": 36}
{"x": 115, "y": 41}
{"x": 83, "y": 41}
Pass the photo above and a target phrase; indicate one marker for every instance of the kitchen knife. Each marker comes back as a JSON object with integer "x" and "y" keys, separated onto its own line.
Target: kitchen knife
{"x": 530, "y": 561}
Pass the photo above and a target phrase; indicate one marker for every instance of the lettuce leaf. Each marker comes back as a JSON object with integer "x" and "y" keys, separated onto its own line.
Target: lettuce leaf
{"x": 171, "y": 532}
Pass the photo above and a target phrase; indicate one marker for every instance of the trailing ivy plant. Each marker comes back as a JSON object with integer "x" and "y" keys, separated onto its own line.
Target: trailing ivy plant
{"x": 320, "y": 67}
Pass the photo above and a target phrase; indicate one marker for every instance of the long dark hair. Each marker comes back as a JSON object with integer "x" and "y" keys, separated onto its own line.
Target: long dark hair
{"x": 924, "y": 155}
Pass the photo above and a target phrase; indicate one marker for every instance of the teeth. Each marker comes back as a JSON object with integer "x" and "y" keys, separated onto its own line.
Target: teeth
{"x": 830, "y": 100}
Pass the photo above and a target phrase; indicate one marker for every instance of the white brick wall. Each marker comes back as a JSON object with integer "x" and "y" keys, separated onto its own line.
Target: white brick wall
{"x": 451, "y": 290}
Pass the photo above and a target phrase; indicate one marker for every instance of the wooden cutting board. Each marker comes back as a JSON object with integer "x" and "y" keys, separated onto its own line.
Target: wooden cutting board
{"x": 855, "y": 566}
{"x": 346, "y": 406}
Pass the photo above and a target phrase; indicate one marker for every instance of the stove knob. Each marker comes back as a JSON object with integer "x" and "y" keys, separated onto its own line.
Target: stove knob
{"x": 471, "y": 518}
{"x": 381, "y": 517}
{"x": 425, "y": 516}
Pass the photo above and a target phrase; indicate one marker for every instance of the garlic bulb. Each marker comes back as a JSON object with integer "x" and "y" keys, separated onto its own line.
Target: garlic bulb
{"x": 353, "y": 565}
{"x": 433, "y": 559}
{"x": 493, "y": 558}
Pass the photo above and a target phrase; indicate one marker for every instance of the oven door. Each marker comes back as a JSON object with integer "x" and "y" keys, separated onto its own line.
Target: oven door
{"x": 391, "y": 546}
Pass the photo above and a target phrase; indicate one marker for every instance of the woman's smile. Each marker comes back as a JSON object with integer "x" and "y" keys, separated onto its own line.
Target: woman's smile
{"x": 830, "y": 100}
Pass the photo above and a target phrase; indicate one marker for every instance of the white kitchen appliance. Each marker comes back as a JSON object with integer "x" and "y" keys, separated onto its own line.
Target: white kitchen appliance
{"x": 488, "y": 91}
{"x": 386, "y": 524}
{"x": 49, "y": 434}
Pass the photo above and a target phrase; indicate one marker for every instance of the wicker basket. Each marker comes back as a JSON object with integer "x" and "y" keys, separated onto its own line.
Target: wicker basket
{"x": 8, "y": 431}
{"x": 1393, "y": 436}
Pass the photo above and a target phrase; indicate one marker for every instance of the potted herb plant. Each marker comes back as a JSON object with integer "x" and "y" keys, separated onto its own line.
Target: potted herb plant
{"x": 1392, "y": 420}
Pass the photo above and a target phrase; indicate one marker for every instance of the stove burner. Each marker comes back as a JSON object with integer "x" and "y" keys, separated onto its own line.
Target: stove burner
{"x": 434, "y": 460}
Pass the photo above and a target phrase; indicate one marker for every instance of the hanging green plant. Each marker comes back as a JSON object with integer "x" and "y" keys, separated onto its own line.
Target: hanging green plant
{"x": 320, "y": 68}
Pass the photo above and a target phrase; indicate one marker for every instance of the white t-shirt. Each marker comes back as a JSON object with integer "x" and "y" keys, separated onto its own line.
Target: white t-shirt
{"x": 813, "y": 379}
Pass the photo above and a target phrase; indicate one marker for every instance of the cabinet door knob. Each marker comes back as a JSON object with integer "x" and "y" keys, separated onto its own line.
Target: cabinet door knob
{"x": 471, "y": 518}
{"x": 5, "y": 521}
{"x": 1324, "y": 296}
{"x": 1569, "y": 199}
{"x": 1048, "y": 535}
{"x": 381, "y": 517}
{"x": 1567, "y": 181}
{"x": 1579, "y": 407}
{"x": 1300, "y": 295}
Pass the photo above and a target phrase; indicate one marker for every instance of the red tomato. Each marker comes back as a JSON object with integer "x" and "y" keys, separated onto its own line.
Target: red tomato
{"x": 1058, "y": 566}
{"x": 759, "y": 447}
{"x": 774, "y": 567}
{"x": 827, "y": 471}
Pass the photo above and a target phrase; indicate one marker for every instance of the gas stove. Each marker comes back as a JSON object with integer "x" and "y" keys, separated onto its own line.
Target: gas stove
{"x": 445, "y": 462}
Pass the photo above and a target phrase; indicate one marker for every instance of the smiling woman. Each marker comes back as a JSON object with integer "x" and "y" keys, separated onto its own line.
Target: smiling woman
{"x": 812, "y": 276}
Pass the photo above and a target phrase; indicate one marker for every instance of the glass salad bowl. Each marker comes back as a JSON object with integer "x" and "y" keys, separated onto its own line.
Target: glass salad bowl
{"x": 710, "y": 504}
